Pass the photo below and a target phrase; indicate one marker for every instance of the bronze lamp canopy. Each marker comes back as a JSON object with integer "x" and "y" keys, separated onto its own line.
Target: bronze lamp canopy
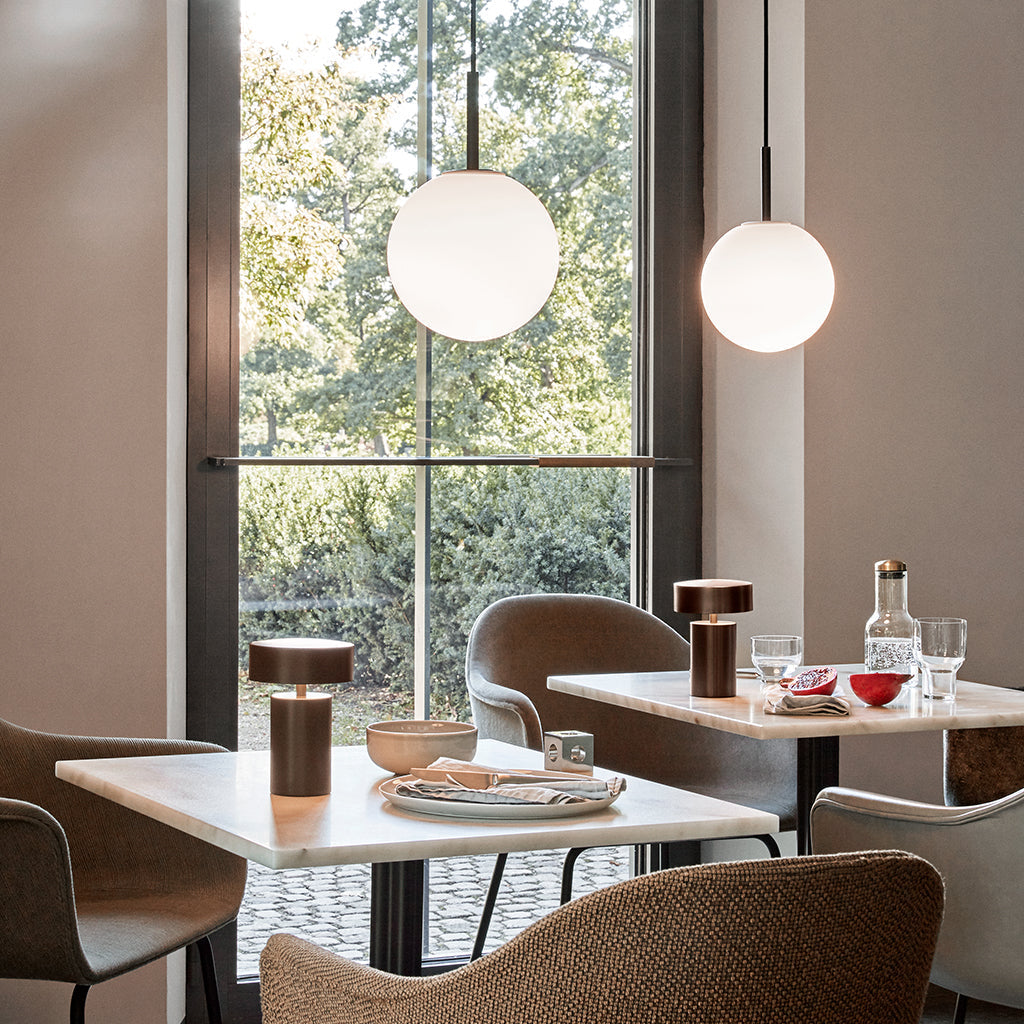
{"x": 300, "y": 722}
{"x": 713, "y": 641}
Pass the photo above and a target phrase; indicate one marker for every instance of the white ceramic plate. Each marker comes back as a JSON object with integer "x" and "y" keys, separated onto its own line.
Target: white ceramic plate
{"x": 508, "y": 812}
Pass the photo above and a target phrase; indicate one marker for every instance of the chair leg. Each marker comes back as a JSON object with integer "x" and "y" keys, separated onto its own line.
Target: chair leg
{"x": 960, "y": 1009}
{"x": 773, "y": 847}
{"x": 204, "y": 948}
{"x": 78, "y": 1004}
{"x": 492, "y": 895}
{"x": 567, "y": 868}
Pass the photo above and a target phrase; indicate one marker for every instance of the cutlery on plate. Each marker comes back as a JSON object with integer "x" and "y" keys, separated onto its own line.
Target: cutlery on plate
{"x": 484, "y": 779}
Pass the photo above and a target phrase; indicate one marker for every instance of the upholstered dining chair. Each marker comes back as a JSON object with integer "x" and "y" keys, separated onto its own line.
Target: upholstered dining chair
{"x": 979, "y": 850}
{"x": 803, "y": 940}
{"x": 517, "y": 642}
{"x": 90, "y": 890}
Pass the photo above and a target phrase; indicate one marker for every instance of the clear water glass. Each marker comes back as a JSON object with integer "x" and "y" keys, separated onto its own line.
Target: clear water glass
{"x": 776, "y": 656}
{"x": 940, "y": 646}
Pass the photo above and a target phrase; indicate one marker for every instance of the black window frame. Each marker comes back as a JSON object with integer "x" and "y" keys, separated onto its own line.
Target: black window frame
{"x": 667, "y": 368}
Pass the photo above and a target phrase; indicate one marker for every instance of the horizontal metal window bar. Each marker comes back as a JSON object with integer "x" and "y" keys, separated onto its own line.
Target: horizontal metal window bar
{"x": 546, "y": 461}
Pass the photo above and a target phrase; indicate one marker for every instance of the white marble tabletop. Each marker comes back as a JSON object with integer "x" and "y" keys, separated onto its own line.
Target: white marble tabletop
{"x": 668, "y": 694}
{"x": 224, "y": 798}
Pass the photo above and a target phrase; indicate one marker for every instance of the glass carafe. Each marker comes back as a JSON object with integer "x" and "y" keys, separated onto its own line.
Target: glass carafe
{"x": 889, "y": 633}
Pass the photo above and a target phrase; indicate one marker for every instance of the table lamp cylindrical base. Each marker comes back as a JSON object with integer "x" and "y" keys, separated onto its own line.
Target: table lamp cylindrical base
{"x": 300, "y": 744}
{"x": 712, "y": 659}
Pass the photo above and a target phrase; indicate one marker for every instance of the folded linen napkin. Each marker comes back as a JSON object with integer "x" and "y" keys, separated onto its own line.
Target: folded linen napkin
{"x": 779, "y": 701}
{"x": 548, "y": 791}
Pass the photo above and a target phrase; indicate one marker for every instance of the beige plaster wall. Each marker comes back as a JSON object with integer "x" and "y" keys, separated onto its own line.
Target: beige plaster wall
{"x": 83, "y": 395}
{"x": 913, "y": 413}
{"x": 753, "y": 410}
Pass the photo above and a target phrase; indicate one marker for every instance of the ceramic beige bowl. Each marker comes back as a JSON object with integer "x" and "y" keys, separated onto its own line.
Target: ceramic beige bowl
{"x": 401, "y": 745}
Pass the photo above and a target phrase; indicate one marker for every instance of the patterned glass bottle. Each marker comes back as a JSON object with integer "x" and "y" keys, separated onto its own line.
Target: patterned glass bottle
{"x": 889, "y": 633}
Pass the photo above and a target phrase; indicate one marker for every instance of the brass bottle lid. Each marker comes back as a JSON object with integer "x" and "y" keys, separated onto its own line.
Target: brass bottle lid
{"x": 891, "y": 565}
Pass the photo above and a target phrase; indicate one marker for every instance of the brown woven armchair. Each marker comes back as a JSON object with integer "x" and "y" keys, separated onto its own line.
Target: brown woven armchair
{"x": 90, "y": 890}
{"x": 808, "y": 940}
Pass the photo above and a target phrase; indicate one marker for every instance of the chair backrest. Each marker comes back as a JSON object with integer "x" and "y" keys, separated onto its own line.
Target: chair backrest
{"x": 977, "y": 850}
{"x": 103, "y": 837}
{"x": 67, "y": 851}
{"x": 517, "y": 642}
{"x": 808, "y": 940}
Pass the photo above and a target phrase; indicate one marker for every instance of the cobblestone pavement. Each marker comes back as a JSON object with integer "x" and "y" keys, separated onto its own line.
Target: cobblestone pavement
{"x": 331, "y": 906}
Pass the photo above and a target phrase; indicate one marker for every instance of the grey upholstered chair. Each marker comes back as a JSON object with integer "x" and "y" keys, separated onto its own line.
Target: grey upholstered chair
{"x": 517, "y": 642}
{"x": 90, "y": 890}
{"x": 805, "y": 940}
{"x": 979, "y": 850}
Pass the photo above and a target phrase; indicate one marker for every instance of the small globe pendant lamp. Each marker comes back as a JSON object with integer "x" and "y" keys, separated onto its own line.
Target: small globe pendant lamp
{"x": 767, "y": 285}
{"x": 473, "y": 254}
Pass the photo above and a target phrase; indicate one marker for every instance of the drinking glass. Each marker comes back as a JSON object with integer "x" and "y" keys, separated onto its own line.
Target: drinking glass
{"x": 940, "y": 645}
{"x": 776, "y": 656}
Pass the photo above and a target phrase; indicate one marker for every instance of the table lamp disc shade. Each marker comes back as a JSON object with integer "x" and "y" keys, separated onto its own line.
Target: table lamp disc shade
{"x": 300, "y": 723}
{"x": 473, "y": 255}
{"x": 713, "y": 643}
{"x": 295, "y": 661}
{"x": 703, "y": 597}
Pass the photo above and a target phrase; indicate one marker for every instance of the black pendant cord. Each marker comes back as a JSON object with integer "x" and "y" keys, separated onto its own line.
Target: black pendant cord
{"x": 472, "y": 98}
{"x": 766, "y": 152}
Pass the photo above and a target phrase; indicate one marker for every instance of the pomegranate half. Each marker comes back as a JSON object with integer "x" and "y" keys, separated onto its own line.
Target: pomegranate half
{"x": 813, "y": 680}
{"x": 877, "y": 688}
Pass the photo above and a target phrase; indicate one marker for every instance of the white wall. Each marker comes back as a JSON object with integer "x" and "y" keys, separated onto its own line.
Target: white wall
{"x": 913, "y": 408}
{"x": 753, "y": 408}
{"x": 84, "y": 410}
{"x": 895, "y": 432}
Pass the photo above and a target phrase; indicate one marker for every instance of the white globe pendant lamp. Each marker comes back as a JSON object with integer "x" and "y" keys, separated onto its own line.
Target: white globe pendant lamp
{"x": 767, "y": 285}
{"x": 473, "y": 254}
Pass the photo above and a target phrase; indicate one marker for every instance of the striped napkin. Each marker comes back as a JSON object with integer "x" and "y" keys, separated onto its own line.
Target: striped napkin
{"x": 555, "y": 791}
{"x": 779, "y": 701}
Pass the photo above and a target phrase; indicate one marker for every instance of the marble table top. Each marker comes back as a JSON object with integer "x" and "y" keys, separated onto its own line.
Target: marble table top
{"x": 224, "y": 798}
{"x": 667, "y": 694}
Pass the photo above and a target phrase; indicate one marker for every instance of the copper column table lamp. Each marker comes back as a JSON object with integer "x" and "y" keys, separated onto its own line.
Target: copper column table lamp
{"x": 713, "y": 642}
{"x": 300, "y": 722}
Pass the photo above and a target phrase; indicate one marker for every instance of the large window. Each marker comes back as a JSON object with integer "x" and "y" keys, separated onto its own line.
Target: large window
{"x": 352, "y": 475}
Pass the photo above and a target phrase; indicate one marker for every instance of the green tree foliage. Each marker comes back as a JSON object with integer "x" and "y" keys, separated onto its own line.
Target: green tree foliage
{"x": 328, "y": 362}
{"x": 329, "y": 552}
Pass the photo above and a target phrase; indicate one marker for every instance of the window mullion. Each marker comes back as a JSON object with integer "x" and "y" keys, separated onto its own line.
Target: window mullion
{"x": 424, "y": 384}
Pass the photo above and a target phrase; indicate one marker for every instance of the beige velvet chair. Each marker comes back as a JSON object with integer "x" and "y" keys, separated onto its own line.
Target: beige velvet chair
{"x": 90, "y": 890}
{"x": 806, "y": 940}
{"x": 517, "y": 642}
{"x": 979, "y": 851}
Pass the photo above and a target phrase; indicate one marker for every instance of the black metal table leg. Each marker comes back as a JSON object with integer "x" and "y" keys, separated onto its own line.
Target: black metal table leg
{"x": 681, "y": 853}
{"x": 817, "y": 766}
{"x": 396, "y": 917}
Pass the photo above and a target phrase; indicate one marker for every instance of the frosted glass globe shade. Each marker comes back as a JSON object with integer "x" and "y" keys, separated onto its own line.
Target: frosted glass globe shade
{"x": 473, "y": 255}
{"x": 767, "y": 285}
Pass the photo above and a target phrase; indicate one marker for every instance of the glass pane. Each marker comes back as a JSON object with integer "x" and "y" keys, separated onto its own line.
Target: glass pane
{"x": 329, "y": 154}
{"x": 505, "y": 530}
{"x": 327, "y": 552}
{"x": 328, "y": 367}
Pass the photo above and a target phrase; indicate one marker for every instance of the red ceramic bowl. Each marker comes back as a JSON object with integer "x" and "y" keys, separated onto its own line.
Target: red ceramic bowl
{"x": 877, "y": 688}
